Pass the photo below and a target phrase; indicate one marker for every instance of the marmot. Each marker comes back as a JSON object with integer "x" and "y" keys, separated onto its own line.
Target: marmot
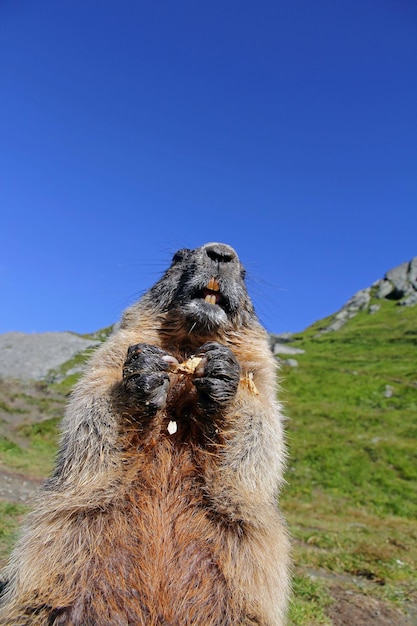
{"x": 162, "y": 508}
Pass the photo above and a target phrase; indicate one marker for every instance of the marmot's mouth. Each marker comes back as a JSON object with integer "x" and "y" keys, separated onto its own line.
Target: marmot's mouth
{"x": 211, "y": 294}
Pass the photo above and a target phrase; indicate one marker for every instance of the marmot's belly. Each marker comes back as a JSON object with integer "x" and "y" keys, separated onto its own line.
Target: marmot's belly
{"x": 177, "y": 550}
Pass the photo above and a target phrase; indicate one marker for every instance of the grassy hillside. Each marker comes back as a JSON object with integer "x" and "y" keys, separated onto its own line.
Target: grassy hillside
{"x": 351, "y": 499}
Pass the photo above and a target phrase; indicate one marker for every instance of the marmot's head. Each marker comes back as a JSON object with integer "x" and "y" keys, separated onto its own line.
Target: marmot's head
{"x": 205, "y": 289}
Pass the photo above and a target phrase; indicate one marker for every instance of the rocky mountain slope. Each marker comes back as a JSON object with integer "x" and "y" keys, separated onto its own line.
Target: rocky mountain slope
{"x": 33, "y": 356}
{"x": 399, "y": 284}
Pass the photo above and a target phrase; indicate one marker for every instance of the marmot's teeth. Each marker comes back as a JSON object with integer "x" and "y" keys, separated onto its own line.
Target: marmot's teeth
{"x": 210, "y": 298}
{"x": 213, "y": 284}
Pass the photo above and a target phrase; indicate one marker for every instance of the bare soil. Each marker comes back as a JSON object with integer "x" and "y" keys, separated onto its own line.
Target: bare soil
{"x": 18, "y": 488}
{"x": 354, "y": 609}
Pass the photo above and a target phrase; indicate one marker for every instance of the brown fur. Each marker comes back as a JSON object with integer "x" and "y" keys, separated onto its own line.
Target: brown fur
{"x": 137, "y": 527}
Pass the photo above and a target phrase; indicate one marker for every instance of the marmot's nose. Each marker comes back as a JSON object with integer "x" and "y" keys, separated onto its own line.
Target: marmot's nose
{"x": 220, "y": 252}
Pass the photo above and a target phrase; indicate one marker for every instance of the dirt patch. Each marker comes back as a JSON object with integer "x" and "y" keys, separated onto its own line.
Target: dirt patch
{"x": 354, "y": 609}
{"x": 18, "y": 488}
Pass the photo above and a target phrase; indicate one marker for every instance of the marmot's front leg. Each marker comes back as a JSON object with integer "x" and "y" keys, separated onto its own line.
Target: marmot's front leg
{"x": 217, "y": 377}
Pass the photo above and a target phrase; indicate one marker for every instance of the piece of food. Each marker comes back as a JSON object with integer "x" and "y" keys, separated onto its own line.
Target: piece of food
{"x": 189, "y": 366}
{"x": 172, "y": 427}
{"x": 248, "y": 382}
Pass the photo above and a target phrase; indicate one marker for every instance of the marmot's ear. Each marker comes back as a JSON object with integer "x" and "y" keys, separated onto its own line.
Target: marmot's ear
{"x": 180, "y": 255}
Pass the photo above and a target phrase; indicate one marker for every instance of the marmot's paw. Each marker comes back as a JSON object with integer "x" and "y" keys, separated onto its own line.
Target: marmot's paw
{"x": 145, "y": 376}
{"x": 218, "y": 376}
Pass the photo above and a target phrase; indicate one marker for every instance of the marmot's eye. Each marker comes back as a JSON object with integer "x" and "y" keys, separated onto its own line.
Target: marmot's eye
{"x": 180, "y": 255}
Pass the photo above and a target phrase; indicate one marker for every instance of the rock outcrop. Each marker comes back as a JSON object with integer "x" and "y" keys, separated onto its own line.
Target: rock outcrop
{"x": 398, "y": 284}
{"x": 279, "y": 346}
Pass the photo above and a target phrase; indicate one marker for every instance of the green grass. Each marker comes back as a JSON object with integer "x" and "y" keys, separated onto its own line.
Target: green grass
{"x": 62, "y": 380}
{"x": 351, "y": 501}
{"x": 309, "y": 600}
{"x": 37, "y": 455}
{"x": 11, "y": 515}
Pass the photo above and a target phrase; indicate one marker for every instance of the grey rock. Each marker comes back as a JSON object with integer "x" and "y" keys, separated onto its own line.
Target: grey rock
{"x": 31, "y": 356}
{"x": 385, "y": 288}
{"x": 388, "y": 391}
{"x": 281, "y": 348}
{"x": 291, "y": 362}
{"x": 409, "y": 300}
{"x": 412, "y": 273}
{"x": 399, "y": 282}
{"x": 334, "y": 326}
{"x": 359, "y": 301}
{"x": 282, "y": 338}
{"x": 398, "y": 277}
{"x": 342, "y": 315}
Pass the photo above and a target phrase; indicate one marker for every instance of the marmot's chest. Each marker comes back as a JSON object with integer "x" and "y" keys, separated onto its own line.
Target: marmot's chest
{"x": 168, "y": 475}
{"x": 168, "y": 516}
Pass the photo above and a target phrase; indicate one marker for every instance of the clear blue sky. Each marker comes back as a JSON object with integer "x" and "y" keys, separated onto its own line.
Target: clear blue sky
{"x": 131, "y": 128}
